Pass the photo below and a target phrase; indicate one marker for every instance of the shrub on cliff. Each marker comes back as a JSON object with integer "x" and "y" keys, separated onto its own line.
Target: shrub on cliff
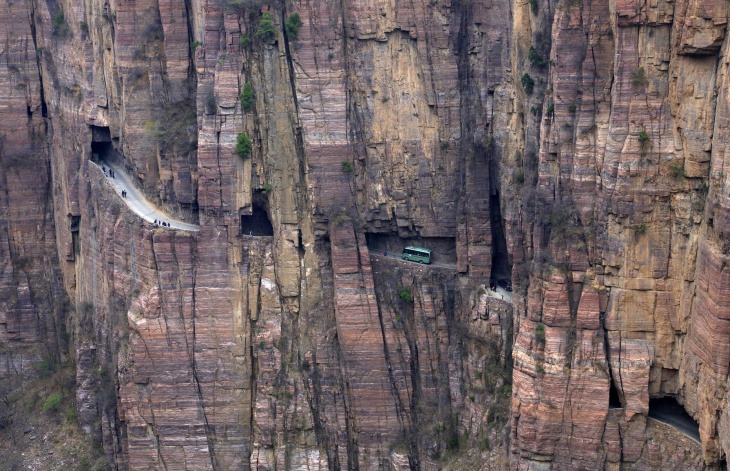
{"x": 292, "y": 26}
{"x": 677, "y": 170}
{"x": 644, "y": 140}
{"x": 405, "y": 294}
{"x": 247, "y": 97}
{"x": 639, "y": 228}
{"x": 638, "y": 77}
{"x": 52, "y": 402}
{"x": 540, "y": 332}
{"x": 243, "y": 146}
{"x": 60, "y": 27}
{"x": 527, "y": 83}
{"x": 535, "y": 58}
{"x": 211, "y": 104}
{"x": 347, "y": 166}
{"x": 266, "y": 31}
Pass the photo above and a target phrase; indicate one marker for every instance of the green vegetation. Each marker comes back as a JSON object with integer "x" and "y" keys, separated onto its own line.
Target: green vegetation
{"x": 527, "y": 83}
{"x": 405, "y": 294}
{"x": 540, "y": 332}
{"x": 292, "y": 26}
{"x": 60, "y": 27}
{"x": 52, "y": 402}
{"x": 347, "y": 166}
{"x": 519, "y": 177}
{"x": 551, "y": 108}
{"x": 572, "y": 107}
{"x": 243, "y": 146}
{"x": 266, "y": 31}
{"x": 194, "y": 45}
{"x": 676, "y": 170}
{"x": 559, "y": 219}
{"x": 639, "y": 228}
{"x": 535, "y": 58}
{"x": 539, "y": 369}
{"x": 245, "y": 40}
{"x": 533, "y": 6}
{"x": 644, "y": 140}
{"x": 211, "y": 104}
{"x": 638, "y": 77}
{"x": 265, "y": 188}
{"x": 478, "y": 375}
{"x": 247, "y": 97}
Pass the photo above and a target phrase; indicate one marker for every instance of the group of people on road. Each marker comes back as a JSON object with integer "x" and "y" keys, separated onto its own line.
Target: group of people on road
{"x": 111, "y": 171}
{"x": 110, "y": 174}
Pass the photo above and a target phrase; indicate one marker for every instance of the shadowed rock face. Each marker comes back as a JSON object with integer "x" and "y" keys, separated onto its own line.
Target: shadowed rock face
{"x": 299, "y": 349}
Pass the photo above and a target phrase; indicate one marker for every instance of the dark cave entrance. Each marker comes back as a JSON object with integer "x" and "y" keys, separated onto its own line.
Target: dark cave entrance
{"x": 257, "y": 223}
{"x": 101, "y": 144}
{"x": 668, "y": 410}
{"x": 614, "y": 400}
{"x": 501, "y": 266}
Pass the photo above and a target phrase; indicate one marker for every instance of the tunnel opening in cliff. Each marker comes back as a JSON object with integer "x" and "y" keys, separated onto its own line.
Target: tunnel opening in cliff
{"x": 501, "y": 266}
{"x": 102, "y": 149}
{"x": 257, "y": 223}
{"x": 443, "y": 248}
{"x": 668, "y": 410}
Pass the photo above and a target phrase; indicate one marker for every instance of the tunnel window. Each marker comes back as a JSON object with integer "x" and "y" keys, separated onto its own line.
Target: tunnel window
{"x": 257, "y": 223}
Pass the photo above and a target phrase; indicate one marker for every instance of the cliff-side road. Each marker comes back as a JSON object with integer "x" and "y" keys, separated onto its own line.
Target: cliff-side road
{"x": 136, "y": 201}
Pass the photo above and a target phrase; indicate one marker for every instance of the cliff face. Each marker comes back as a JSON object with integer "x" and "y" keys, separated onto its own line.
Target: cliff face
{"x": 576, "y": 147}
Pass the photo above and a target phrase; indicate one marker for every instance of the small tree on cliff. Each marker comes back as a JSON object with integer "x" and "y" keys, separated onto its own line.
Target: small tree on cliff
{"x": 266, "y": 31}
{"x": 528, "y": 83}
{"x": 247, "y": 97}
{"x": 292, "y": 26}
{"x": 60, "y": 27}
{"x": 243, "y": 146}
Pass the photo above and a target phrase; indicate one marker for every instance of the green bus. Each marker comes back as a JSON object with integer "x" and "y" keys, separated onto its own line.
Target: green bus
{"x": 417, "y": 254}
